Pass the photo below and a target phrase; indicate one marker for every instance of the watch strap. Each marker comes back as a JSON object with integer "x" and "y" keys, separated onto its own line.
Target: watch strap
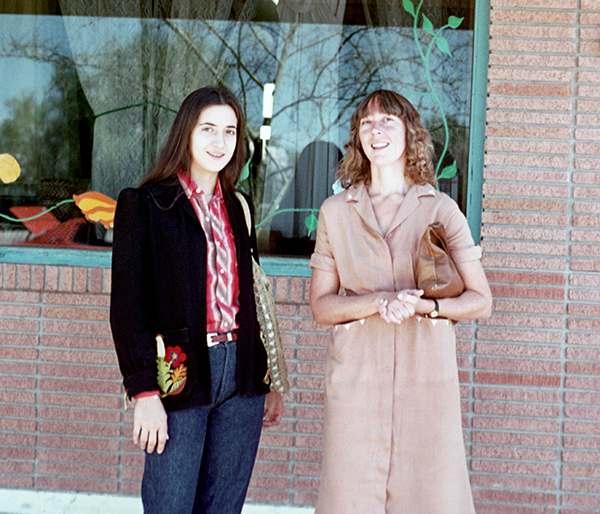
{"x": 436, "y": 310}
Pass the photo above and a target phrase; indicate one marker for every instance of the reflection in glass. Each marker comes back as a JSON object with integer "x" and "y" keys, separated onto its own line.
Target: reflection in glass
{"x": 89, "y": 90}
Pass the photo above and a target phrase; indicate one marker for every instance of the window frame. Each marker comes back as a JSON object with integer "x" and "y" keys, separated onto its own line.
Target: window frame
{"x": 284, "y": 266}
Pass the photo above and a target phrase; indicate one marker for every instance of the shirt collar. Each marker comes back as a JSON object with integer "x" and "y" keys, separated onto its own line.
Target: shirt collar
{"x": 191, "y": 188}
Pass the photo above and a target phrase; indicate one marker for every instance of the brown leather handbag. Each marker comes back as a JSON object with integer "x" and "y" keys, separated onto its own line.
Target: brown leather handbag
{"x": 436, "y": 273}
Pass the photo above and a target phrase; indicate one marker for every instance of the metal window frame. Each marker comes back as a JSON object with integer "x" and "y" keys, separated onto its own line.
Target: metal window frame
{"x": 481, "y": 51}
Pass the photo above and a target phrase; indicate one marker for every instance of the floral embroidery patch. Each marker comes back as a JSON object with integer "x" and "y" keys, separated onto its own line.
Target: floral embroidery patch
{"x": 172, "y": 374}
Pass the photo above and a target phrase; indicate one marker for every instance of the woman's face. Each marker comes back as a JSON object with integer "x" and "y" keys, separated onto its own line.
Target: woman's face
{"x": 213, "y": 139}
{"x": 383, "y": 138}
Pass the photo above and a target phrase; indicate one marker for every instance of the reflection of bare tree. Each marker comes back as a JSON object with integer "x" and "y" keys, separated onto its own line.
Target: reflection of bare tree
{"x": 46, "y": 134}
{"x": 267, "y": 53}
{"x": 320, "y": 73}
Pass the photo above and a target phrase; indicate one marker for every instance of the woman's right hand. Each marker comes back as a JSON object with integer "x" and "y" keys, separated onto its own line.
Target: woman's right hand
{"x": 150, "y": 424}
{"x": 394, "y": 307}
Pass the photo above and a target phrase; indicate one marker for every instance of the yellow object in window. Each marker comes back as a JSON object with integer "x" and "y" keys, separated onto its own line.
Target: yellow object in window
{"x": 10, "y": 169}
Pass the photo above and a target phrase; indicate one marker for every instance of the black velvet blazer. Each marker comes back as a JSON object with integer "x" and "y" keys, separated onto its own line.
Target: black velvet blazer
{"x": 159, "y": 286}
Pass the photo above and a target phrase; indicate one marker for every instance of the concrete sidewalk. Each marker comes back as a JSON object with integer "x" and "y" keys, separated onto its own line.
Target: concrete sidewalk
{"x": 27, "y": 501}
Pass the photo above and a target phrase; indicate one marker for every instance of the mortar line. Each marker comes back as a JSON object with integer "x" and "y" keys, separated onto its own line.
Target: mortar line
{"x": 38, "y": 398}
{"x": 569, "y": 230}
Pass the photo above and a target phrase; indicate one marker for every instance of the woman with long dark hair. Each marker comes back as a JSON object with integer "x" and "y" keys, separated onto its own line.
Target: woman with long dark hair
{"x": 183, "y": 316}
{"x": 393, "y": 438}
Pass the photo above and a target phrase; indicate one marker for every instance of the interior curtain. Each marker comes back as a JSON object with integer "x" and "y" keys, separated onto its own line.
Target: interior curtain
{"x": 136, "y": 63}
{"x": 312, "y": 11}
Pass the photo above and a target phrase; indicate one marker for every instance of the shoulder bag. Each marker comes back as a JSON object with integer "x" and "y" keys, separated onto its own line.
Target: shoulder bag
{"x": 267, "y": 319}
{"x": 436, "y": 273}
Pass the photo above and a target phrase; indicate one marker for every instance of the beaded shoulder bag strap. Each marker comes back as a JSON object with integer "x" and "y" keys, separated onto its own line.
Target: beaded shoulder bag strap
{"x": 267, "y": 319}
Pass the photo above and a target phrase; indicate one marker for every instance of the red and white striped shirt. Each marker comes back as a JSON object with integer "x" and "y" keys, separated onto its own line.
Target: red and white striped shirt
{"x": 222, "y": 282}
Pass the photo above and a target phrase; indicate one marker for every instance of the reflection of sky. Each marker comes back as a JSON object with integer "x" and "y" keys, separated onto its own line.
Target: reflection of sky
{"x": 21, "y": 76}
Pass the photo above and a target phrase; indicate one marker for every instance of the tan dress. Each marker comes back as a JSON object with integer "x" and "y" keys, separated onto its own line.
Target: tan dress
{"x": 393, "y": 437}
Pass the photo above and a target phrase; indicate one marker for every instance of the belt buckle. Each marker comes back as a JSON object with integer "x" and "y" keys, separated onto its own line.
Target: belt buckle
{"x": 209, "y": 342}
{"x": 222, "y": 337}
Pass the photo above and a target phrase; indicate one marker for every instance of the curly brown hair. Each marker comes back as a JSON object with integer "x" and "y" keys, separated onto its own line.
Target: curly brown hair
{"x": 355, "y": 167}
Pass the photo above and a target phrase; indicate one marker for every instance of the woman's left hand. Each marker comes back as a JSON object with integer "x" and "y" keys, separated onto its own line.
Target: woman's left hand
{"x": 474, "y": 303}
{"x": 273, "y": 409}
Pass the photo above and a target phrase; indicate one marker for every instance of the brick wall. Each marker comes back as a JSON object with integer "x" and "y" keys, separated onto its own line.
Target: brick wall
{"x": 530, "y": 374}
{"x": 62, "y": 423}
{"x": 60, "y": 398}
{"x": 536, "y": 406}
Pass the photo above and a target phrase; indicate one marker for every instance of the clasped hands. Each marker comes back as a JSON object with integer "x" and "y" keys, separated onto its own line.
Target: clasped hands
{"x": 397, "y": 307}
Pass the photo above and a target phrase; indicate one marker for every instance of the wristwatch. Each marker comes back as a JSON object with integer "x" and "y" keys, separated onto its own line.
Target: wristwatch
{"x": 436, "y": 310}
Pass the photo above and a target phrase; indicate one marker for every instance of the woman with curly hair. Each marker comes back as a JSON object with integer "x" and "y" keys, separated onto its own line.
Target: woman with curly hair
{"x": 393, "y": 436}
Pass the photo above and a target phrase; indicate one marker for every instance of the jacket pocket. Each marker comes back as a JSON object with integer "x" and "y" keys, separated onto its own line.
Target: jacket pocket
{"x": 177, "y": 371}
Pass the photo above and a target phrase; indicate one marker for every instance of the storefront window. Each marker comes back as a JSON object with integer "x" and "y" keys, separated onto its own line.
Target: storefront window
{"x": 88, "y": 91}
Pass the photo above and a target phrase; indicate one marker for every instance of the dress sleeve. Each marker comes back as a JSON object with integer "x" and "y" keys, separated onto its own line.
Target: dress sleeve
{"x": 460, "y": 241}
{"x": 131, "y": 309}
{"x": 322, "y": 258}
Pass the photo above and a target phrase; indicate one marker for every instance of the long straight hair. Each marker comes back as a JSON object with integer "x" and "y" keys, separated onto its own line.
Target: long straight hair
{"x": 177, "y": 154}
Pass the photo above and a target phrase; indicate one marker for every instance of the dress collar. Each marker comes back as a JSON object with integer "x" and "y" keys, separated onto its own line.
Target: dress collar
{"x": 358, "y": 191}
{"x": 359, "y": 196}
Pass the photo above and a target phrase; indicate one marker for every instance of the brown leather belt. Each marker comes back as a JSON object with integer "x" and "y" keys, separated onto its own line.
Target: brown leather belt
{"x": 214, "y": 338}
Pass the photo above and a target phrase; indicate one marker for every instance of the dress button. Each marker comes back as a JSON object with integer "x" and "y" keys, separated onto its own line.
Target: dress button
{"x": 222, "y": 271}
{"x": 198, "y": 190}
{"x": 207, "y": 218}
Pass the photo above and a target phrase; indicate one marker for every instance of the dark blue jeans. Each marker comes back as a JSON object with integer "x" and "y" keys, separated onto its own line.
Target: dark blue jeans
{"x": 208, "y": 459}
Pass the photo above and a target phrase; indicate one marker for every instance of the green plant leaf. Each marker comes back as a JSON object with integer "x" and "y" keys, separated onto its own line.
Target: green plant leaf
{"x": 449, "y": 171}
{"x": 245, "y": 172}
{"x": 428, "y": 26}
{"x": 454, "y": 22}
{"x": 311, "y": 223}
{"x": 442, "y": 44}
{"x": 408, "y": 6}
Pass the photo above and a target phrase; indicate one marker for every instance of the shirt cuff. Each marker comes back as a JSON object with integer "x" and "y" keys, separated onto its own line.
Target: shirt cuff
{"x": 145, "y": 394}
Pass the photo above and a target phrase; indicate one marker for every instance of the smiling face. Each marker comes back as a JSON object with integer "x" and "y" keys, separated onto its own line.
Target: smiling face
{"x": 213, "y": 140}
{"x": 383, "y": 138}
